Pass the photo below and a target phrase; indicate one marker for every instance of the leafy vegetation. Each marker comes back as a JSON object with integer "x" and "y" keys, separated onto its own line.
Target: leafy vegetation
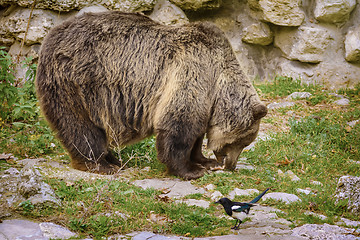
{"x": 312, "y": 139}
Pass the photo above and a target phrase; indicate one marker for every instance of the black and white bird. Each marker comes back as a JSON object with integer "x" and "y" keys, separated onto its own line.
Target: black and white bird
{"x": 239, "y": 210}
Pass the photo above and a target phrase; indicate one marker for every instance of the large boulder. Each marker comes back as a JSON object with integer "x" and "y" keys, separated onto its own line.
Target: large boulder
{"x": 348, "y": 189}
{"x": 306, "y": 44}
{"x": 13, "y": 27}
{"x": 281, "y": 12}
{"x": 352, "y": 45}
{"x": 16, "y": 187}
{"x": 333, "y": 11}
{"x": 58, "y": 5}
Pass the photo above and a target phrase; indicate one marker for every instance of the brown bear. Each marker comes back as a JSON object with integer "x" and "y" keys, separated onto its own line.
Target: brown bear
{"x": 121, "y": 76}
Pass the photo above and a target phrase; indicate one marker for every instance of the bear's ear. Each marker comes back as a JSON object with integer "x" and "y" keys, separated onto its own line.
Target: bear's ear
{"x": 259, "y": 111}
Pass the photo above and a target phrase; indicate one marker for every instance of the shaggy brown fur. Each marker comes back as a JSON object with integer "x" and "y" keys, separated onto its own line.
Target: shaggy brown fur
{"x": 120, "y": 76}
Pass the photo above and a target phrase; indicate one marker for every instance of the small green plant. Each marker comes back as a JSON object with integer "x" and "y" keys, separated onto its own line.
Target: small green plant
{"x": 27, "y": 207}
{"x": 8, "y": 90}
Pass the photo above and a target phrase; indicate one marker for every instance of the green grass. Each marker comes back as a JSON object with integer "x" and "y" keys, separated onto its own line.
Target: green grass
{"x": 318, "y": 146}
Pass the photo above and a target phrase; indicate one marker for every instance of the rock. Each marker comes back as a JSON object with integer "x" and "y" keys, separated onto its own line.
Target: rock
{"x": 177, "y": 188}
{"x": 13, "y": 26}
{"x": 320, "y": 216}
{"x": 282, "y": 12}
{"x": 59, "y": 5}
{"x": 242, "y": 165}
{"x": 352, "y": 45}
{"x": 129, "y": 5}
{"x": 279, "y": 196}
{"x": 195, "y": 202}
{"x": 304, "y": 191}
{"x": 292, "y": 176}
{"x": 353, "y": 123}
{"x": 26, "y": 185}
{"x": 325, "y": 231}
{"x": 92, "y": 9}
{"x": 258, "y": 33}
{"x": 210, "y": 187}
{"x": 276, "y": 105}
{"x": 333, "y": 11}
{"x": 348, "y": 189}
{"x": 349, "y": 223}
{"x": 54, "y": 231}
{"x": 241, "y": 192}
{"x": 342, "y": 102}
{"x": 169, "y": 14}
{"x": 306, "y": 44}
{"x": 316, "y": 183}
{"x": 216, "y": 196}
{"x": 299, "y": 95}
{"x": 196, "y": 5}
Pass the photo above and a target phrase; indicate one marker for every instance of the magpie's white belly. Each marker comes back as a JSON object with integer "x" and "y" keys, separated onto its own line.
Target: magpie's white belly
{"x": 239, "y": 215}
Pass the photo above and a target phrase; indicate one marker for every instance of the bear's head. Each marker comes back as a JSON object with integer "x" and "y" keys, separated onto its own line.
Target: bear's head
{"x": 227, "y": 138}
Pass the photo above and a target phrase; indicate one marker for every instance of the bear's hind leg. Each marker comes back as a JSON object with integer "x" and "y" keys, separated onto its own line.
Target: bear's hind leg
{"x": 87, "y": 146}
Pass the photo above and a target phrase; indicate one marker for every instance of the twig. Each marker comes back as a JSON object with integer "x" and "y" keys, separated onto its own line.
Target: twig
{"x": 26, "y": 31}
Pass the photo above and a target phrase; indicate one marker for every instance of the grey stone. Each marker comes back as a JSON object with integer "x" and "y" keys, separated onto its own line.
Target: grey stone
{"x": 282, "y": 12}
{"x": 342, "y": 102}
{"x": 169, "y": 14}
{"x": 242, "y": 192}
{"x": 333, "y": 11}
{"x": 320, "y": 216}
{"x": 299, "y": 95}
{"x": 195, "y": 202}
{"x": 304, "y": 191}
{"x": 216, "y": 196}
{"x": 196, "y": 5}
{"x": 176, "y": 188}
{"x": 143, "y": 236}
{"x": 21, "y": 230}
{"x": 292, "y": 176}
{"x": 52, "y": 230}
{"x": 129, "y": 5}
{"x": 349, "y": 223}
{"x": 276, "y": 105}
{"x": 13, "y": 27}
{"x": 17, "y": 187}
{"x": 306, "y": 44}
{"x": 92, "y": 9}
{"x": 348, "y": 188}
{"x": 58, "y": 5}
{"x": 353, "y": 123}
{"x": 284, "y": 197}
{"x": 352, "y": 45}
{"x": 325, "y": 231}
{"x": 258, "y": 33}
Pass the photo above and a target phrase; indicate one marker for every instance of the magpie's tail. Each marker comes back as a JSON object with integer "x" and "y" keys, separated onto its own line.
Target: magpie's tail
{"x": 260, "y": 196}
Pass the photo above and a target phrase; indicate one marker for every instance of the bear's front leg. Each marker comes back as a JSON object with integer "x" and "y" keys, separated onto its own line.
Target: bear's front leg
{"x": 174, "y": 150}
{"x": 198, "y": 157}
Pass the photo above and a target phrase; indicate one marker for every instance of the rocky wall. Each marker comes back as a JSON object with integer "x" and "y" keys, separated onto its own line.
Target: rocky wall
{"x": 317, "y": 41}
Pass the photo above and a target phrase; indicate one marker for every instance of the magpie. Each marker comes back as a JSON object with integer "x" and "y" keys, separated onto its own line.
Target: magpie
{"x": 239, "y": 210}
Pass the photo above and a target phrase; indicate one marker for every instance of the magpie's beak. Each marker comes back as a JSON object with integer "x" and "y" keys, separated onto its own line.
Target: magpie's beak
{"x": 217, "y": 201}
